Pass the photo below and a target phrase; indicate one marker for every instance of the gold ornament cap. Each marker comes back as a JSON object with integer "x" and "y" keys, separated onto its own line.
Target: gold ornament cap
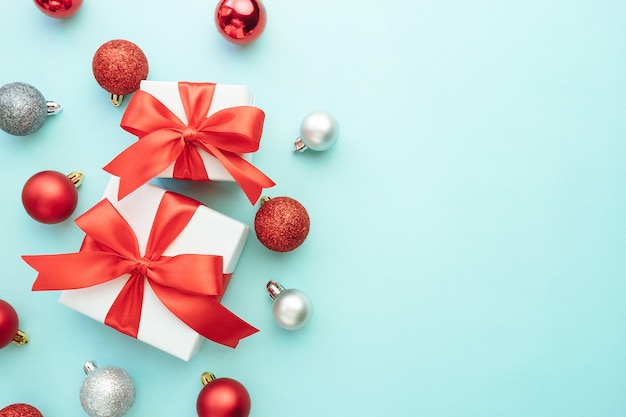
{"x": 76, "y": 178}
{"x": 117, "y": 99}
{"x": 20, "y": 338}
{"x": 207, "y": 377}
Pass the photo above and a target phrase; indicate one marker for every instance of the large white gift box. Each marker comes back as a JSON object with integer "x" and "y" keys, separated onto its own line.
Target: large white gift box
{"x": 208, "y": 232}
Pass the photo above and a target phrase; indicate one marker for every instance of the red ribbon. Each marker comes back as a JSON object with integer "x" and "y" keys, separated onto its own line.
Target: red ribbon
{"x": 164, "y": 139}
{"x": 188, "y": 285}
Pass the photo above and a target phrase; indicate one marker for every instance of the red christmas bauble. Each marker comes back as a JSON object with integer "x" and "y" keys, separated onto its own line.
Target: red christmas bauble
{"x": 20, "y": 410}
{"x": 223, "y": 397}
{"x": 59, "y": 9}
{"x": 119, "y": 66}
{"x": 49, "y": 197}
{"x": 9, "y": 323}
{"x": 281, "y": 224}
{"x": 240, "y": 21}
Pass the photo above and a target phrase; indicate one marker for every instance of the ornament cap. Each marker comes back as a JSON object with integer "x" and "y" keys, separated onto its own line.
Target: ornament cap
{"x": 117, "y": 99}
{"x": 264, "y": 199}
{"x": 89, "y": 367}
{"x": 52, "y": 107}
{"x": 274, "y": 288}
{"x": 299, "y": 145}
{"x": 207, "y": 377}
{"x": 76, "y": 178}
{"x": 20, "y": 338}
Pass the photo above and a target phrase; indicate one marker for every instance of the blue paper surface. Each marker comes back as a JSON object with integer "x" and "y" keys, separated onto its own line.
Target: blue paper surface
{"x": 468, "y": 232}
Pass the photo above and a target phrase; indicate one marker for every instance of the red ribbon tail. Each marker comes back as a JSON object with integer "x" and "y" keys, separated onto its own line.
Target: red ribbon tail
{"x": 189, "y": 165}
{"x": 222, "y": 326}
{"x": 251, "y": 180}
{"x": 125, "y": 312}
{"x": 72, "y": 271}
{"x": 205, "y": 315}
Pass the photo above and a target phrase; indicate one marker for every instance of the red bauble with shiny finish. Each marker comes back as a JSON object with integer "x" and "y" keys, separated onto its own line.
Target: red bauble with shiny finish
{"x": 9, "y": 323}
{"x": 49, "y": 197}
{"x": 240, "y": 21}
{"x": 223, "y": 397}
{"x": 281, "y": 224}
{"x": 59, "y": 9}
{"x": 20, "y": 410}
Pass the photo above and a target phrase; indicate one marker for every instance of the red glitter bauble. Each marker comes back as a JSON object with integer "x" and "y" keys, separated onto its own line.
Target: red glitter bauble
{"x": 20, "y": 410}
{"x": 240, "y": 21}
{"x": 281, "y": 224}
{"x": 9, "y": 323}
{"x": 119, "y": 66}
{"x": 49, "y": 197}
{"x": 59, "y": 9}
{"x": 223, "y": 397}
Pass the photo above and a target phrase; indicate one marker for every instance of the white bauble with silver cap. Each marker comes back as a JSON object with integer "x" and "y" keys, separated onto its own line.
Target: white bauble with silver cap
{"x": 292, "y": 308}
{"x": 319, "y": 131}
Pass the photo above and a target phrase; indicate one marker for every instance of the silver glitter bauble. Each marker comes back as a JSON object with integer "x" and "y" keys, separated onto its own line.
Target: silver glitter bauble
{"x": 106, "y": 392}
{"x": 22, "y": 109}
{"x": 292, "y": 308}
{"x": 319, "y": 131}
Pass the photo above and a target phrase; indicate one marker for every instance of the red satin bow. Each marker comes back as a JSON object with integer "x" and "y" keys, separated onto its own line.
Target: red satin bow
{"x": 188, "y": 285}
{"x": 164, "y": 139}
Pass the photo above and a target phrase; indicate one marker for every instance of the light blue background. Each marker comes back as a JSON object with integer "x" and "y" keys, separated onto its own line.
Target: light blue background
{"x": 467, "y": 246}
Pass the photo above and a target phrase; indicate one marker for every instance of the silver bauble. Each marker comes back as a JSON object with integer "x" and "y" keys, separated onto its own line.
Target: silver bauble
{"x": 292, "y": 308}
{"x": 319, "y": 131}
{"x": 23, "y": 109}
{"x": 106, "y": 392}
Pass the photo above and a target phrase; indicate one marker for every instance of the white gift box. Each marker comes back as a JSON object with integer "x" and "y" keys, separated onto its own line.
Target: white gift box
{"x": 224, "y": 96}
{"x": 208, "y": 232}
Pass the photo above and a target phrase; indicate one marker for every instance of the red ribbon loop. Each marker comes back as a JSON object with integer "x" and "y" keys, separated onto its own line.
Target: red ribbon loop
{"x": 166, "y": 139}
{"x": 188, "y": 285}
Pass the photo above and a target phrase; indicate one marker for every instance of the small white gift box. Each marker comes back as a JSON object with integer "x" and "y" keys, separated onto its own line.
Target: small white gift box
{"x": 225, "y": 96}
{"x": 191, "y": 131}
